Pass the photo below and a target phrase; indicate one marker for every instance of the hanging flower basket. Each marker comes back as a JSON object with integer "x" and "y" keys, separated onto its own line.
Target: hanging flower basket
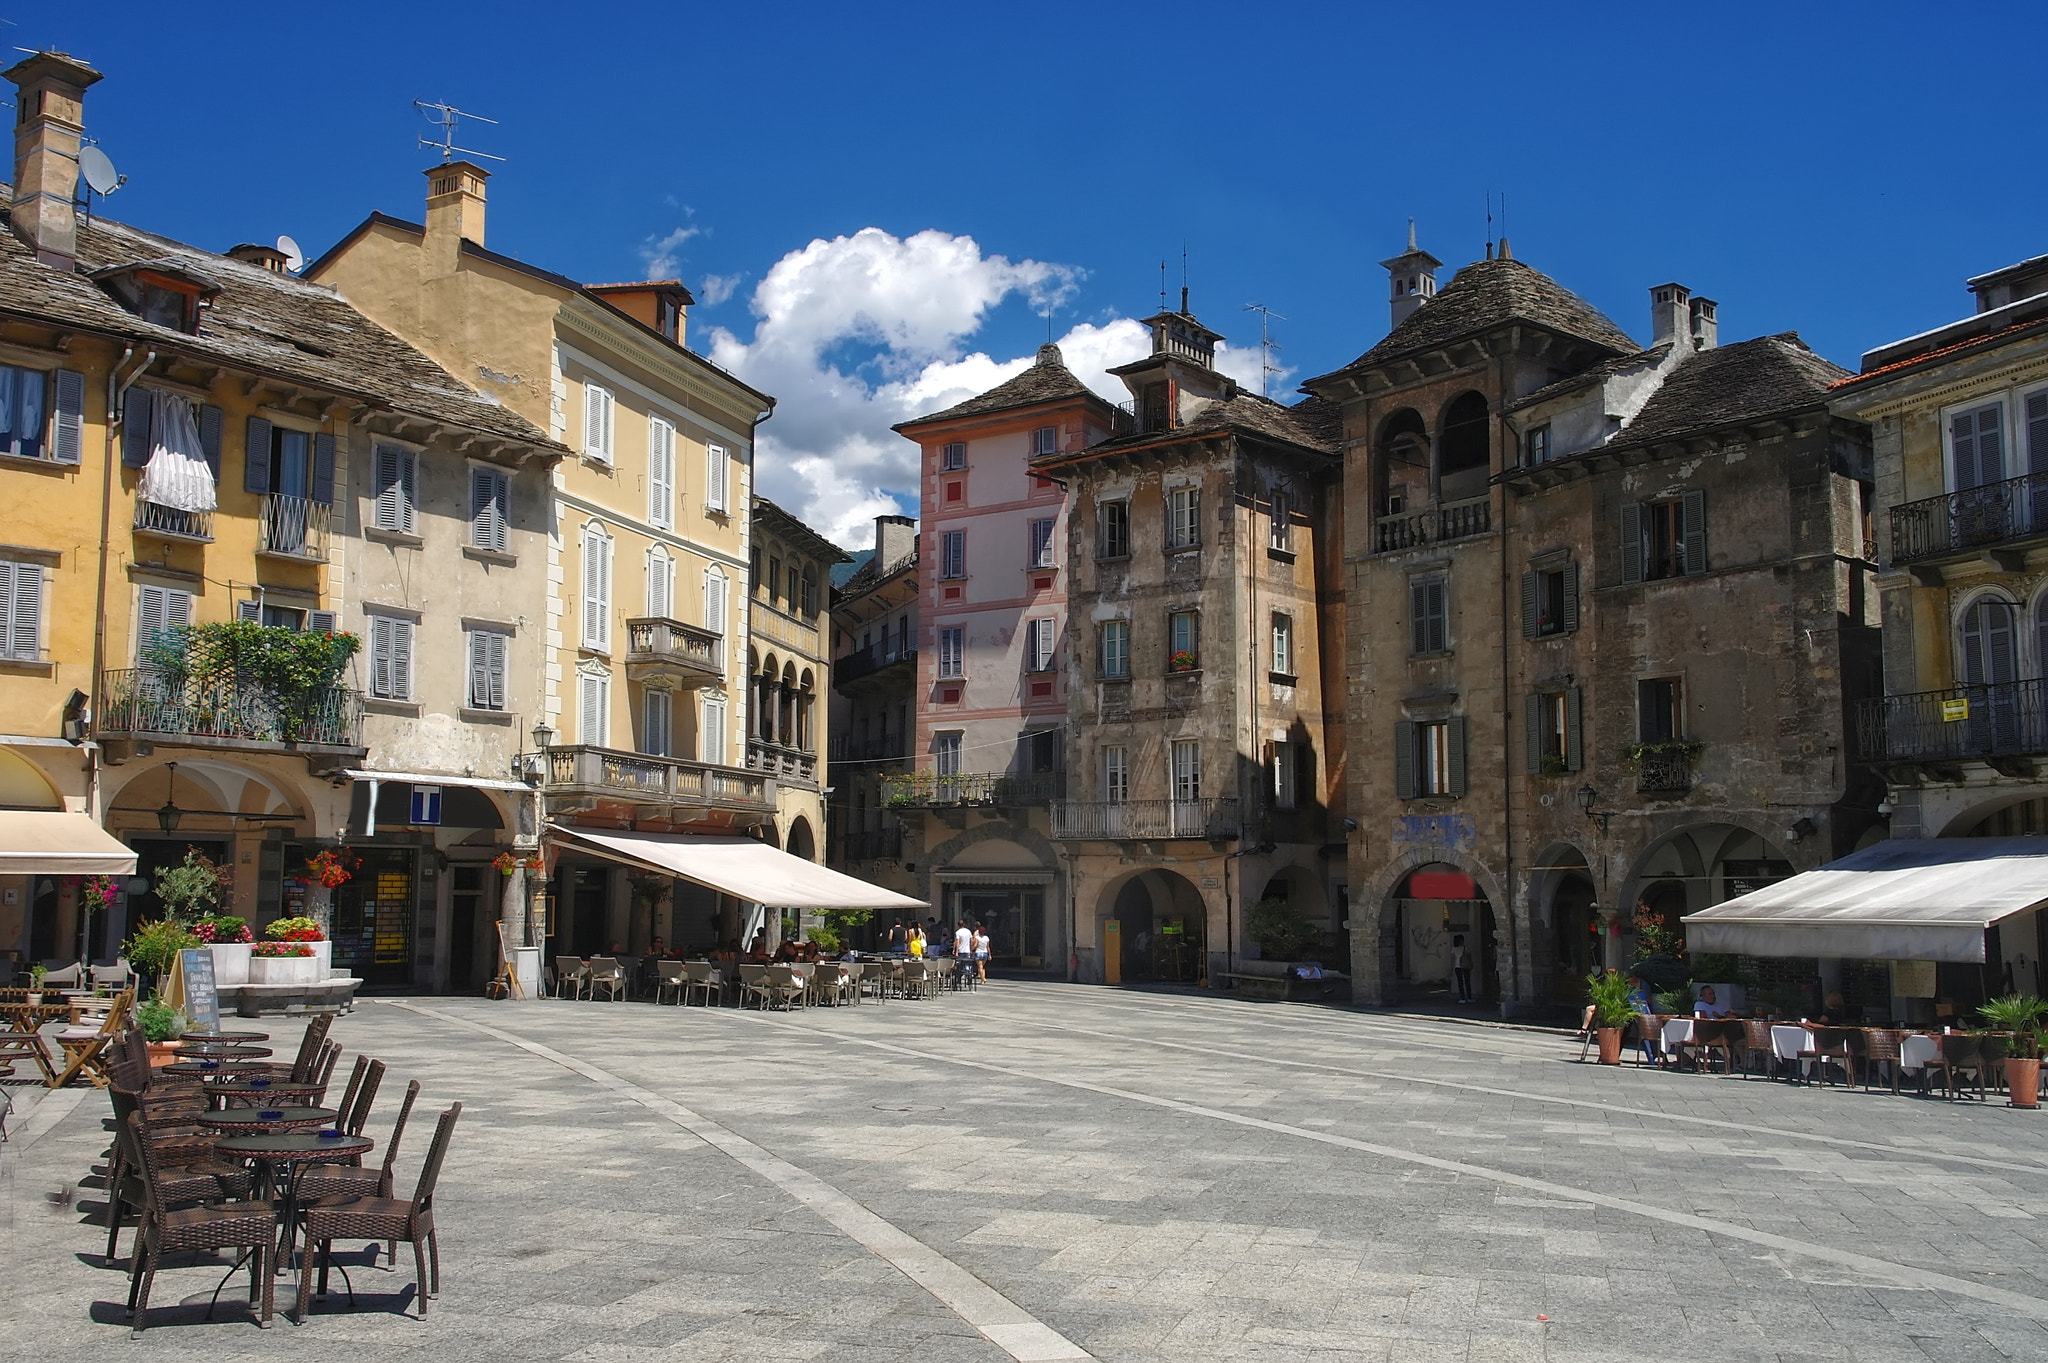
{"x": 507, "y": 863}
{"x": 333, "y": 866}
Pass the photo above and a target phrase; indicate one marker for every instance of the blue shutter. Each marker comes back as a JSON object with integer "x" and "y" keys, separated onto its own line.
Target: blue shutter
{"x": 256, "y": 458}
{"x": 210, "y": 419}
{"x": 137, "y": 408}
{"x": 322, "y": 490}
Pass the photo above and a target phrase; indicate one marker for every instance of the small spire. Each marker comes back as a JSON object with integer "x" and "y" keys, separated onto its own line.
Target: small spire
{"x": 1411, "y": 234}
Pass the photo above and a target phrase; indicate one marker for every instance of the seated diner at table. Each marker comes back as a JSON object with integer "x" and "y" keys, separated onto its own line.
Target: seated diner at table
{"x": 1708, "y": 1006}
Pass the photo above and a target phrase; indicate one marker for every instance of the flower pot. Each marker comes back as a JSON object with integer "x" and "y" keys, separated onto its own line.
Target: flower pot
{"x": 1610, "y": 1045}
{"x": 230, "y": 962}
{"x": 287, "y": 969}
{"x": 2023, "y": 1081}
{"x": 162, "y": 1053}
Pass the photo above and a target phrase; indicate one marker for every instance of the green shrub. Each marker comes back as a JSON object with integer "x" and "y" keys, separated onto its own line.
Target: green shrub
{"x": 1609, "y": 995}
{"x": 160, "y": 1022}
{"x": 1282, "y": 930}
{"x": 156, "y": 944}
{"x": 2019, "y": 1014}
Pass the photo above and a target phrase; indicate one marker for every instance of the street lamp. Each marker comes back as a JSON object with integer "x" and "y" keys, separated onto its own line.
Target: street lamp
{"x": 543, "y": 737}
{"x": 168, "y": 815}
{"x": 1587, "y": 796}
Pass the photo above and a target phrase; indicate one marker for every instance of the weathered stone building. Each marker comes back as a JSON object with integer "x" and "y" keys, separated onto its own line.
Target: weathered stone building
{"x": 874, "y": 668}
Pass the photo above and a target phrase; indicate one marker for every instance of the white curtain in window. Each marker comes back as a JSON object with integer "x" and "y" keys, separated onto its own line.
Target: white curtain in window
{"x": 177, "y": 475}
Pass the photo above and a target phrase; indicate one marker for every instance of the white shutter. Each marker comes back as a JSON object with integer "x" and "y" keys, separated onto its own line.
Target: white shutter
{"x": 149, "y": 617}
{"x": 409, "y": 476}
{"x": 661, "y": 472}
{"x": 654, "y": 728}
{"x": 24, "y": 583}
{"x": 479, "y": 669}
{"x": 597, "y": 422}
{"x": 500, "y": 646}
{"x": 713, "y": 744}
{"x": 715, "y": 475}
{"x": 597, "y": 589}
{"x": 660, "y": 583}
{"x": 590, "y": 712}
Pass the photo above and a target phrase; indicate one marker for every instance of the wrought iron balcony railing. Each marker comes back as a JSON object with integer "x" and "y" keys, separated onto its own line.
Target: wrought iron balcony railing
{"x": 1433, "y": 524}
{"x": 865, "y": 662}
{"x": 1975, "y": 518}
{"x": 173, "y": 523}
{"x": 139, "y": 701}
{"x": 2004, "y": 719}
{"x": 608, "y": 773}
{"x": 1664, "y": 772}
{"x": 928, "y": 790}
{"x": 873, "y": 844}
{"x": 295, "y": 527}
{"x": 1112, "y": 820}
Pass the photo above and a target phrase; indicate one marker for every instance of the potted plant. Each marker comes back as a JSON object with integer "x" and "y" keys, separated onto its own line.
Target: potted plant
{"x": 298, "y": 952}
{"x": 2020, "y": 1014}
{"x": 1186, "y": 660}
{"x": 1613, "y": 1010}
{"x": 156, "y": 944}
{"x": 161, "y": 1025}
{"x": 227, "y": 940}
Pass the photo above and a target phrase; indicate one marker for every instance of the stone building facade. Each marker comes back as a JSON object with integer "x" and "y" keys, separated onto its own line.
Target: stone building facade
{"x": 874, "y": 669}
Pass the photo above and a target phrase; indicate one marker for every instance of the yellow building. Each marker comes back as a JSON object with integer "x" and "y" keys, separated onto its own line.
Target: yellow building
{"x": 646, "y": 669}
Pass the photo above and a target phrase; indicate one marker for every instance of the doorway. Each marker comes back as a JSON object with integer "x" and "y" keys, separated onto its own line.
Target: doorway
{"x": 589, "y": 910}
{"x": 472, "y": 955}
{"x": 373, "y": 918}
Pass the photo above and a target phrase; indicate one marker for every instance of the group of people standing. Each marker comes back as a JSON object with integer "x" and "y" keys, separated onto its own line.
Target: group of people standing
{"x": 917, "y": 941}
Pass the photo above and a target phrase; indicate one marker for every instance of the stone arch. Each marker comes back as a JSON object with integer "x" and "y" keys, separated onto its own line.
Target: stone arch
{"x": 1372, "y": 948}
{"x": 1985, "y": 637}
{"x": 1464, "y": 447}
{"x": 1401, "y": 463}
{"x": 2015, "y": 814}
{"x": 1164, "y": 919}
{"x": 23, "y": 785}
{"x": 205, "y": 785}
{"x": 801, "y": 842}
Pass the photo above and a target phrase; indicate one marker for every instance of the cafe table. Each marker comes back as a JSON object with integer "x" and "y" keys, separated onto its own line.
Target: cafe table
{"x": 237, "y": 1091}
{"x": 281, "y": 1159}
{"x": 212, "y": 1066}
{"x": 225, "y": 1036}
{"x": 242, "y": 1121}
{"x": 223, "y": 1049}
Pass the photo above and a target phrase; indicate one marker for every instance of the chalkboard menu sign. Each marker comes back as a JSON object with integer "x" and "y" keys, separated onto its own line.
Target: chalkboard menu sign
{"x": 202, "y": 997}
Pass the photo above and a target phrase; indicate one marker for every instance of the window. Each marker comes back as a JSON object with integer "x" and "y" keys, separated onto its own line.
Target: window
{"x": 597, "y": 588}
{"x": 487, "y": 650}
{"x": 1552, "y": 720}
{"x": 1283, "y": 645}
{"x": 1977, "y": 446}
{"x": 1659, "y": 717}
{"x": 157, "y": 609}
{"x": 717, "y": 472}
{"x": 661, "y": 584}
{"x": 808, "y": 600}
{"x": 774, "y": 579}
{"x": 1041, "y": 543}
{"x": 790, "y": 600}
{"x": 390, "y": 657}
{"x": 711, "y": 747}
{"x": 661, "y": 473}
{"x": 21, "y": 610}
{"x": 1281, "y": 534}
{"x": 1429, "y": 758}
{"x": 953, "y": 456}
{"x": 1550, "y": 601}
{"x": 1116, "y": 648}
{"x": 593, "y": 707}
{"x": 1429, "y": 615}
{"x": 490, "y": 500}
{"x": 1183, "y": 518}
{"x": 656, "y": 717}
{"x": 32, "y": 424}
{"x": 598, "y": 417}
{"x": 953, "y": 554}
{"x": 1183, "y": 641}
{"x": 396, "y": 475}
{"x": 1045, "y": 440}
{"x": 1187, "y": 770}
{"x": 952, "y": 647}
{"x": 1664, "y": 538}
{"x": 1112, "y": 529}
{"x": 714, "y": 601}
{"x": 1041, "y": 750}
{"x": 946, "y": 753}
{"x": 1536, "y": 445}
{"x": 1116, "y": 774}
{"x": 1286, "y": 765}
{"x": 1039, "y": 638}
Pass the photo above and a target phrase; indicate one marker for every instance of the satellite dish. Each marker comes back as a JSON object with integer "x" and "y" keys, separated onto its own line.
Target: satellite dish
{"x": 99, "y": 171}
{"x": 294, "y": 258}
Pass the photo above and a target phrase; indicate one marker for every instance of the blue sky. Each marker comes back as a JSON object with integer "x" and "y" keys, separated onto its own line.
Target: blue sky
{"x": 1832, "y": 169}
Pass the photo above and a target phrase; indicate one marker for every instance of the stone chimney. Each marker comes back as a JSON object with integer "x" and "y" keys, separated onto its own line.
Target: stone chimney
{"x": 1412, "y": 277}
{"x": 261, "y": 256}
{"x": 1706, "y": 330}
{"x": 1670, "y": 314}
{"x": 455, "y": 210}
{"x": 895, "y": 539}
{"x": 48, "y": 129}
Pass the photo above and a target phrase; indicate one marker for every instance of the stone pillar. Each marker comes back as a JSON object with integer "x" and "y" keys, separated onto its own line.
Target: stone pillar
{"x": 1610, "y": 938}
{"x": 1367, "y": 966}
{"x": 320, "y": 907}
{"x": 512, "y": 907}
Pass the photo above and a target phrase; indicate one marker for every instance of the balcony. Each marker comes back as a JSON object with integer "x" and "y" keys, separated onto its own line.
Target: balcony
{"x": 779, "y": 627}
{"x": 846, "y": 748}
{"x": 580, "y": 776}
{"x": 174, "y": 524}
{"x": 1084, "y": 819}
{"x": 872, "y": 662}
{"x": 670, "y": 650}
{"x": 293, "y": 527}
{"x": 873, "y": 844}
{"x": 1960, "y": 523}
{"x": 1433, "y": 525}
{"x": 928, "y": 790}
{"x": 138, "y": 703}
{"x": 1994, "y": 724}
{"x": 1663, "y": 768}
{"x": 784, "y": 764}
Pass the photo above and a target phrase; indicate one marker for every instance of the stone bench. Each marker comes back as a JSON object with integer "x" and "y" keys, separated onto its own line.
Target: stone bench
{"x": 1272, "y": 981}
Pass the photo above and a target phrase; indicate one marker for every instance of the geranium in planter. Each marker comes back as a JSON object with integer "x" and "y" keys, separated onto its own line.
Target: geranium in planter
{"x": 2021, "y": 1015}
{"x": 333, "y": 866}
{"x": 221, "y": 929}
{"x": 271, "y": 951}
{"x": 295, "y": 930}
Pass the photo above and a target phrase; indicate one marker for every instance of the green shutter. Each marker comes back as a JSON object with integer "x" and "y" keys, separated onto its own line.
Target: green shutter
{"x": 1574, "y": 738}
{"x": 1532, "y": 729}
{"x": 323, "y": 470}
{"x": 256, "y": 457}
{"x": 1693, "y": 523}
{"x": 1404, "y": 759}
{"x": 1454, "y": 741}
{"x": 1571, "y": 596}
{"x": 1532, "y": 605}
{"x": 1631, "y": 541}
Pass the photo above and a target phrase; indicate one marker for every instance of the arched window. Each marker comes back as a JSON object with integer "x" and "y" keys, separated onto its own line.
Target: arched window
{"x": 1464, "y": 460}
{"x": 1403, "y": 463}
{"x": 1987, "y": 642}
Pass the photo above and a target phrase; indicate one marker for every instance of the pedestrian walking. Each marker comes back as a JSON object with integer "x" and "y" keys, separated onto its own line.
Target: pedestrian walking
{"x": 981, "y": 951}
{"x": 1461, "y": 969}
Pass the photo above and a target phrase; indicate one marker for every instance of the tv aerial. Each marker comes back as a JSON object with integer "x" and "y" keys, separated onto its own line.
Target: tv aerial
{"x": 294, "y": 258}
{"x": 445, "y": 116}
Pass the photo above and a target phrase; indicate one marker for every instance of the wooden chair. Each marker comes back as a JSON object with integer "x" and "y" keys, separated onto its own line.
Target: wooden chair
{"x": 22, "y": 1038}
{"x": 84, "y": 1047}
{"x": 383, "y": 1218}
{"x": 605, "y": 972}
{"x": 1882, "y": 1048}
{"x": 170, "y": 1229}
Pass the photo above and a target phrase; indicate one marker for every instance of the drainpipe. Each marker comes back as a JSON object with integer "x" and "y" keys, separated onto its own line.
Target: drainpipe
{"x": 117, "y": 389}
{"x": 370, "y": 819}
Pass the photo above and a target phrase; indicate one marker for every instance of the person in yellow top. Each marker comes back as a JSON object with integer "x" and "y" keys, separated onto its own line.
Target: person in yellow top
{"x": 917, "y": 943}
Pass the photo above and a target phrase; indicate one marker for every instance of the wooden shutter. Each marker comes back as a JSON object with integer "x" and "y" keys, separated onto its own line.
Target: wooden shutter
{"x": 389, "y": 512}
{"x": 1991, "y": 443}
{"x": 177, "y": 608}
{"x": 1454, "y": 744}
{"x": 715, "y": 477}
{"x": 322, "y": 490}
{"x": 1574, "y": 735}
{"x": 1692, "y": 508}
{"x": 1418, "y": 626}
{"x": 590, "y": 710}
{"x": 654, "y": 723}
{"x": 1997, "y": 623}
{"x": 489, "y": 516}
{"x": 596, "y": 418}
{"x": 380, "y": 655}
{"x": 2037, "y": 432}
{"x": 1532, "y": 605}
{"x": 211, "y": 419}
{"x": 149, "y": 619}
{"x": 479, "y": 669}
{"x": 1532, "y": 731}
{"x": 1631, "y": 541}
{"x": 25, "y": 611}
{"x": 500, "y": 647}
{"x": 661, "y": 477}
{"x": 7, "y": 571}
{"x": 138, "y": 409}
{"x": 321, "y": 622}
{"x": 713, "y": 745}
{"x": 256, "y": 458}
{"x": 251, "y": 611}
{"x": 401, "y": 659}
{"x": 67, "y": 442}
{"x": 660, "y": 582}
{"x": 714, "y": 602}
{"x": 409, "y": 489}
{"x": 1404, "y": 759}
{"x": 1571, "y": 596}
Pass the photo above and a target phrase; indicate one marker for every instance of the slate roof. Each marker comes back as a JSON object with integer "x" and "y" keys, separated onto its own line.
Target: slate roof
{"x": 1312, "y": 423}
{"x": 872, "y": 573}
{"x": 1585, "y": 378}
{"x": 1047, "y": 380}
{"x": 1485, "y": 294}
{"x": 260, "y": 320}
{"x": 1731, "y": 384}
{"x": 789, "y": 525}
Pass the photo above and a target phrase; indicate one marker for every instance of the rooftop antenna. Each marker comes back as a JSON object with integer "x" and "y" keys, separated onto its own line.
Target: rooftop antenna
{"x": 1183, "y": 280}
{"x": 1267, "y": 345}
{"x": 1162, "y": 286}
{"x": 445, "y": 117}
{"x": 1489, "y": 224}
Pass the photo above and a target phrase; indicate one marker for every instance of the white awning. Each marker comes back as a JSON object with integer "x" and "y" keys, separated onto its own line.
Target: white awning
{"x": 1906, "y": 899}
{"x": 740, "y": 867}
{"x": 50, "y": 842}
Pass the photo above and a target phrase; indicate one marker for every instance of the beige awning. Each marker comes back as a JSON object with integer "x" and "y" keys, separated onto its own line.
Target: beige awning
{"x": 50, "y": 842}
{"x": 741, "y": 867}
{"x": 1906, "y": 899}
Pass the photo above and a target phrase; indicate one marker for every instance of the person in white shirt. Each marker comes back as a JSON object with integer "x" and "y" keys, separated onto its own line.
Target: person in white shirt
{"x": 981, "y": 950}
{"x": 1707, "y": 1006}
{"x": 963, "y": 942}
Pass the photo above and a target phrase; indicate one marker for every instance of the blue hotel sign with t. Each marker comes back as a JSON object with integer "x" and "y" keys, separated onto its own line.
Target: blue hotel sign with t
{"x": 426, "y": 805}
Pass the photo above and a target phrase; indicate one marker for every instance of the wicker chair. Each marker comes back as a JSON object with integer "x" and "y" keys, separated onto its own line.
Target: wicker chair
{"x": 307, "y": 1062}
{"x": 1756, "y": 1038}
{"x": 187, "y": 1172}
{"x": 325, "y": 1182}
{"x": 169, "y": 1229}
{"x": 1883, "y": 1049}
{"x": 383, "y": 1218}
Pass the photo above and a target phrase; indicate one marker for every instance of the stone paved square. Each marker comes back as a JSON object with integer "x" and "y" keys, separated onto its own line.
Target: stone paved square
{"x": 1043, "y": 1170}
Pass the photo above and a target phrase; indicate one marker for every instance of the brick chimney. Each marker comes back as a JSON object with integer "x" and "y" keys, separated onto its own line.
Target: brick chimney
{"x": 1670, "y": 314}
{"x": 455, "y": 210}
{"x": 48, "y": 128}
{"x": 895, "y": 537}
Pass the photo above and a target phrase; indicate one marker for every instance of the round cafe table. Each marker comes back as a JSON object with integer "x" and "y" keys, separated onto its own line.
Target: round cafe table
{"x": 244, "y": 1092}
{"x": 281, "y": 1158}
{"x": 211, "y": 1066}
{"x": 225, "y": 1036}
{"x": 242, "y": 1121}
{"x": 218, "y": 1048}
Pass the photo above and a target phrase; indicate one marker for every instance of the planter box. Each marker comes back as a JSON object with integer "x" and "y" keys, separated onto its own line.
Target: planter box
{"x": 230, "y": 962}
{"x": 287, "y": 969}
{"x": 162, "y": 1053}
